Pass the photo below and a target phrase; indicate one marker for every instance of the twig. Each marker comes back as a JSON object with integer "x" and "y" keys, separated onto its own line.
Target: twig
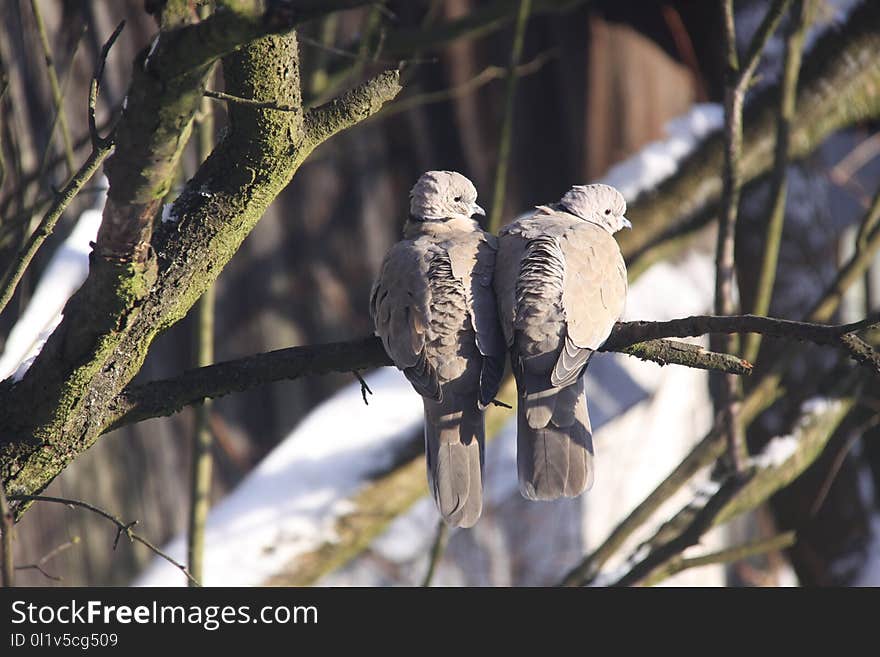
{"x": 522, "y": 20}
{"x": 727, "y": 556}
{"x": 7, "y": 522}
{"x": 38, "y": 566}
{"x": 121, "y": 527}
{"x": 738, "y": 78}
{"x": 803, "y": 11}
{"x": 99, "y": 142}
{"x": 58, "y": 116}
{"x": 437, "y": 549}
{"x": 21, "y": 261}
{"x": 101, "y": 148}
{"x": 481, "y": 79}
{"x": 702, "y": 521}
{"x": 57, "y": 95}
{"x": 250, "y": 102}
{"x": 364, "y": 387}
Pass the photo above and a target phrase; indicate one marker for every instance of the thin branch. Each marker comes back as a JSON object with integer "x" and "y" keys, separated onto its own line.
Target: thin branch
{"x": 202, "y": 460}
{"x": 365, "y": 389}
{"x": 437, "y": 549}
{"x": 250, "y": 102}
{"x": 803, "y": 11}
{"x": 38, "y": 566}
{"x": 101, "y": 148}
{"x": 726, "y": 556}
{"x": 122, "y": 528}
{"x": 504, "y": 146}
{"x": 57, "y": 95}
{"x": 7, "y": 522}
{"x": 21, "y": 261}
{"x": 94, "y": 134}
{"x": 481, "y": 79}
{"x": 738, "y": 78}
{"x": 702, "y": 521}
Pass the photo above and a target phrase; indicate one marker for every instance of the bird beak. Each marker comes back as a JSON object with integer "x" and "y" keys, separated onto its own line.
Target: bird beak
{"x": 478, "y": 210}
{"x": 626, "y": 223}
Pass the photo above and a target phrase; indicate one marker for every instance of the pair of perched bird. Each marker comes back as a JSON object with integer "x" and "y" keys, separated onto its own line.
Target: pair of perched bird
{"x": 451, "y": 302}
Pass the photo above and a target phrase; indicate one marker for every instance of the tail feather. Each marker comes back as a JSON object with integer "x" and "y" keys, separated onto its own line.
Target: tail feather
{"x": 556, "y": 460}
{"x": 454, "y": 454}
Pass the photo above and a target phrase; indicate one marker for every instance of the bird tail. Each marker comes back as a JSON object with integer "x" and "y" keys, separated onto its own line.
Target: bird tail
{"x": 454, "y": 440}
{"x": 554, "y": 459}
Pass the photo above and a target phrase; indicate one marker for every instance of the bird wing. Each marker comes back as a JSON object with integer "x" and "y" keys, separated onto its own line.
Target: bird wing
{"x": 400, "y": 304}
{"x": 593, "y": 296}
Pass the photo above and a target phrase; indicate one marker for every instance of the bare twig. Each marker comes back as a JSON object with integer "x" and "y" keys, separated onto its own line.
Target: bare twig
{"x": 38, "y": 566}
{"x": 522, "y": 20}
{"x": 101, "y": 148}
{"x": 250, "y": 102}
{"x": 99, "y": 142}
{"x": 365, "y": 389}
{"x": 702, "y": 521}
{"x": 437, "y": 549}
{"x": 122, "y": 528}
{"x": 803, "y": 11}
{"x": 726, "y": 556}
{"x": 57, "y": 95}
{"x": 484, "y": 77}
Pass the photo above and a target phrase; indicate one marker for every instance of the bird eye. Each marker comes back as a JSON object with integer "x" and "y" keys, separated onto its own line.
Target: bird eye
{"x": 607, "y": 211}
{"x": 457, "y": 199}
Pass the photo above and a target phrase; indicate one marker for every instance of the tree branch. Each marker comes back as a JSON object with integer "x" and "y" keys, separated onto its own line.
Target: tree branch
{"x": 839, "y": 85}
{"x": 641, "y": 339}
{"x": 729, "y": 555}
{"x": 691, "y": 535}
{"x": 728, "y": 395}
{"x": 794, "y": 44}
{"x": 121, "y": 527}
{"x": 353, "y": 106}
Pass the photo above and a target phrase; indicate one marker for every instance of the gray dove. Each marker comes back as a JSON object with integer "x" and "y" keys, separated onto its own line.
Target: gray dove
{"x": 434, "y": 309}
{"x": 560, "y": 281}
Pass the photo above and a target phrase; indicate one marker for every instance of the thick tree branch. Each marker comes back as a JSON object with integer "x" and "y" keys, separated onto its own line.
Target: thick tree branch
{"x": 159, "y": 398}
{"x": 353, "y": 106}
{"x": 111, "y": 321}
{"x": 640, "y": 339}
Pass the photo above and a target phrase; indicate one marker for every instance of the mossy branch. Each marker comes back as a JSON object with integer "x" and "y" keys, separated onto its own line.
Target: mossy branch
{"x": 353, "y": 106}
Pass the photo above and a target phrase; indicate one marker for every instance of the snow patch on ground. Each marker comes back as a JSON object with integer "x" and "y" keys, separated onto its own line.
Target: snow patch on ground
{"x": 66, "y": 271}
{"x": 289, "y": 503}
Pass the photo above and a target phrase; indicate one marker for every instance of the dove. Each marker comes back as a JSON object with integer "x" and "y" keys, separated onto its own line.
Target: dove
{"x": 560, "y": 282}
{"x": 434, "y": 309}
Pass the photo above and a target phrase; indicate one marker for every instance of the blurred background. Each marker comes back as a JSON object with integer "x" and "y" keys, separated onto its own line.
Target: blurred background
{"x": 597, "y": 83}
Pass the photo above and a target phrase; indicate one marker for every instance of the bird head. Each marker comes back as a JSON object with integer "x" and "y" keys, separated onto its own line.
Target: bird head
{"x": 598, "y": 204}
{"x": 441, "y": 195}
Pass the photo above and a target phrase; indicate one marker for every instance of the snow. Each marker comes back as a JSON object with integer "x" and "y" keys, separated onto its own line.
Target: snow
{"x": 776, "y": 452}
{"x": 288, "y": 504}
{"x": 66, "y": 271}
{"x": 659, "y": 160}
{"x": 168, "y": 215}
